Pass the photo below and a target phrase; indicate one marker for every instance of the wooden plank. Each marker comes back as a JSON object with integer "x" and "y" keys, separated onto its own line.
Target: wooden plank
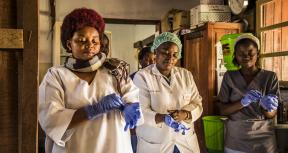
{"x": 144, "y": 42}
{"x": 20, "y": 75}
{"x": 284, "y": 10}
{"x": 274, "y": 54}
{"x": 148, "y": 40}
{"x": 264, "y": 1}
{"x": 8, "y": 84}
{"x": 283, "y": 84}
{"x": 275, "y": 26}
{"x": 277, "y": 11}
{"x": 225, "y": 25}
{"x": 28, "y": 142}
{"x": 8, "y": 14}
{"x": 11, "y": 38}
{"x": 8, "y": 104}
{"x": 258, "y": 18}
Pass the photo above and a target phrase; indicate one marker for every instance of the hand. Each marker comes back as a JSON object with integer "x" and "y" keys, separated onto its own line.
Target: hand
{"x": 179, "y": 115}
{"x": 106, "y": 104}
{"x": 250, "y": 97}
{"x": 269, "y": 102}
{"x": 159, "y": 118}
{"x": 169, "y": 121}
{"x": 131, "y": 114}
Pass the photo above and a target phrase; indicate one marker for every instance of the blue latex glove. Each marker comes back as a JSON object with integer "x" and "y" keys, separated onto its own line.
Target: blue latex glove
{"x": 169, "y": 121}
{"x": 106, "y": 104}
{"x": 269, "y": 102}
{"x": 250, "y": 97}
{"x": 131, "y": 114}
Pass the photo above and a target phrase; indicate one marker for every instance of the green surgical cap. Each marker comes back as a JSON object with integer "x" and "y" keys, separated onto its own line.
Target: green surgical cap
{"x": 167, "y": 37}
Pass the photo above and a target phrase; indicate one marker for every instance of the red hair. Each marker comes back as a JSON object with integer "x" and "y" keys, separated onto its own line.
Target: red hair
{"x": 78, "y": 19}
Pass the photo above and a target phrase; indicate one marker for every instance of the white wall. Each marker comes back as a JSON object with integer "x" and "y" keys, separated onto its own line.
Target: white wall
{"x": 123, "y": 37}
{"x": 125, "y": 9}
{"x": 119, "y": 9}
{"x": 45, "y": 38}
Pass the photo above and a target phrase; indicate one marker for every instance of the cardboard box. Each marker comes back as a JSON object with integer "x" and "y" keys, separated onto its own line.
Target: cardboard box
{"x": 209, "y": 13}
{"x": 179, "y": 18}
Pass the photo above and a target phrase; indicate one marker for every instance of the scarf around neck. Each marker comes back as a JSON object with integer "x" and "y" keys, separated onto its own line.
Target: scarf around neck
{"x": 87, "y": 65}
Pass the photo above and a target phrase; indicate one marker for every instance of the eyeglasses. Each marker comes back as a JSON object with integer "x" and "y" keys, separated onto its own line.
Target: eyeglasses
{"x": 166, "y": 53}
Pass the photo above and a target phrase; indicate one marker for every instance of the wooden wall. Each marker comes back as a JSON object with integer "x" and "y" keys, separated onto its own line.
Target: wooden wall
{"x": 8, "y": 84}
{"x": 275, "y": 40}
{"x": 18, "y": 76}
{"x": 200, "y": 58}
{"x": 8, "y": 13}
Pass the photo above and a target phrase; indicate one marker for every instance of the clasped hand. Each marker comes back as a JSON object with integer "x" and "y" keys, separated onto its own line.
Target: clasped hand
{"x": 268, "y": 102}
{"x": 132, "y": 115}
{"x": 169, "y": 121}
{"x": 114, "y": 102}
{"x": 250, "y": 97}
{"x": 106, "y": 104}
{"x": 178, "y": 115}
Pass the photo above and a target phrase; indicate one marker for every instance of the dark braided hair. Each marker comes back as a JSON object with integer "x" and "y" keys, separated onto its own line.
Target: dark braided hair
{"x": 78, "y": 19}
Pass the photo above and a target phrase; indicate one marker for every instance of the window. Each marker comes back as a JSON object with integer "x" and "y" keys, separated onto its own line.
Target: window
{"x": 272, "y": 29}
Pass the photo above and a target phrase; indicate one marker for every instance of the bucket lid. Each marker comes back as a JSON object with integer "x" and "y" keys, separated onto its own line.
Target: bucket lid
{"x": 214, "y": 118}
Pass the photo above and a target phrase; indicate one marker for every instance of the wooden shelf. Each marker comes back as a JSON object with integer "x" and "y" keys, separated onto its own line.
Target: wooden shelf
{"x": 200, "y": 58}
{"x": 281, "y": 126}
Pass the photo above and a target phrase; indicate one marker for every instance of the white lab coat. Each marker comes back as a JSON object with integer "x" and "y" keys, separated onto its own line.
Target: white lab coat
{"x": 157, "y": 96}
{"x": 61, "y": 93}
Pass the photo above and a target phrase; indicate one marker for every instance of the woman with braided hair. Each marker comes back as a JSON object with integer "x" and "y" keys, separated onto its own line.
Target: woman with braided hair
{"x": 88, "y": 104}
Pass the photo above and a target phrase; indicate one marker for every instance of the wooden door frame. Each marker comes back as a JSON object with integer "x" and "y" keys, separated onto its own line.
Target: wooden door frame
{"x": 24, "y": 41}
{"x": 28, "y": 79}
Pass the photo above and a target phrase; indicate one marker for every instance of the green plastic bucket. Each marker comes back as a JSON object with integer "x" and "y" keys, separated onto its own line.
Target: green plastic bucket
{"x": 214, "y": 133}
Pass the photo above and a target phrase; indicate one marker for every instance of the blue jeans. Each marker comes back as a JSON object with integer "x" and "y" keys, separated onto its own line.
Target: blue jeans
{"x": 176, "y": 150}
{"x": 134, "y": 143}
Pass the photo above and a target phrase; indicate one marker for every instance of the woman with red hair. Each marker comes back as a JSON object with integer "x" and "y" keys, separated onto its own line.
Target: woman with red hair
{"x": 83, "y": 105}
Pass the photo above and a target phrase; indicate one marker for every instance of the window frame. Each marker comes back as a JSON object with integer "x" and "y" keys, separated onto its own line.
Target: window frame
{"x": 260, "y": 29}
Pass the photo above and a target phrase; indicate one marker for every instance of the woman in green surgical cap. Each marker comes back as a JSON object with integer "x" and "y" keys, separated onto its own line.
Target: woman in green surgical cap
{"x": 169, "y": 100}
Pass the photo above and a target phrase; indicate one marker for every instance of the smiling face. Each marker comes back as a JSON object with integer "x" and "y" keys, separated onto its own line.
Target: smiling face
{"x": 246, "y": 55}
{"x": 85, "y": 43}
{"x": 166, "y": 57}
